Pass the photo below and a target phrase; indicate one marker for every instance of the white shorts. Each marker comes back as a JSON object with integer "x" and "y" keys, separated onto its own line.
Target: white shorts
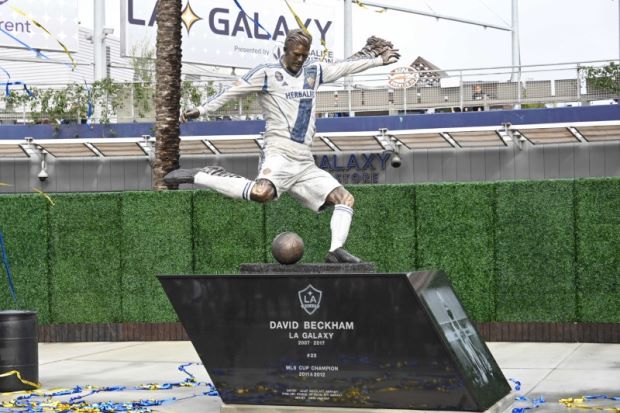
{"x": 296, "y": 173}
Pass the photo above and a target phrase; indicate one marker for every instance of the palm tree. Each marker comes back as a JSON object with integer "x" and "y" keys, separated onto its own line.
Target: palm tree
{"x": 167, "y": 90}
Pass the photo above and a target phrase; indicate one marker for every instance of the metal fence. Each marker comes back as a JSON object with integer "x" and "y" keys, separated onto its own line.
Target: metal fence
{"x": 365, "y": 94}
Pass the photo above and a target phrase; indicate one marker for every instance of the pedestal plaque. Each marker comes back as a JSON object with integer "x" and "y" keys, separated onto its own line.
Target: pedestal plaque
{"x": 396, "y": 341}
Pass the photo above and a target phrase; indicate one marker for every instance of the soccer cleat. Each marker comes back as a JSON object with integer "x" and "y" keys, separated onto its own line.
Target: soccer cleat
{"x": 342, "y": 256}
{"x": 181, "y": 176}
{"x": 186, "y": 176}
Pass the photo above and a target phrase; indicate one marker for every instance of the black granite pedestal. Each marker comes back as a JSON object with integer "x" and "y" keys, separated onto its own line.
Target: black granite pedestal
{"x": 337, "y": 341}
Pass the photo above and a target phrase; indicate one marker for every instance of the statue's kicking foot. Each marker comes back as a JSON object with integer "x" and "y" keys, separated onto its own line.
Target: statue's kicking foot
{"x": 340, "y": 255}
{"x": 181, "y": 176}
{"x": 186, "y": 176}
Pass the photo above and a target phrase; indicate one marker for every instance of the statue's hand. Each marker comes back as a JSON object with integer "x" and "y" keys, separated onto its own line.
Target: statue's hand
{"x": 189, "y": 114}
{"x": 389, "y": 56}
{"x": 376, "y": 46}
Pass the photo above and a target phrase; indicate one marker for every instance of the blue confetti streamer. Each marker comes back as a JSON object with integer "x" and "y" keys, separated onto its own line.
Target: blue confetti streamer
{"x": 5, "y": 72}
{"x": 517, "y": 384}
{"x": 256, "y": 22}
{"x": 535, "y": 403}
{"x": 595, "y": 396}
{"x": 8, "y": 92}
{"x": 10, "y": 83}
{"x": 538, "y": 402}
{"x": 7, "y": 268}
{"x": 601, "y": 396}
{"x": 32, "y": 49}
{"x": 90, "y": 110}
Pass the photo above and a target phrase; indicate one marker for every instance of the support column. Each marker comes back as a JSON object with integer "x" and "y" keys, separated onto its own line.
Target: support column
{"x": 98, "y": 40}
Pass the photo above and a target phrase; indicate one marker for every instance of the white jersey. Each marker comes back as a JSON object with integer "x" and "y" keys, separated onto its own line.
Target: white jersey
{"x": 288, "y": 101}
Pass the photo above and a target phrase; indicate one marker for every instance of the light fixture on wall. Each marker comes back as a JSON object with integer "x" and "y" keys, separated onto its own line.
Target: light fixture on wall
{"x": 395, "y": 160}
{"x": 391, "y": 146}
{"x": 43, "y": 175}
{"x": 148, "y": 146}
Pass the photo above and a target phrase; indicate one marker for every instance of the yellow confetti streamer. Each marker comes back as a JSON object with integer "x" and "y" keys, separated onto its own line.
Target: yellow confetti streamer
{"x": 580, "y": 403}
{"x": 40, "y": 26}
{"x": 44, "y": 195}
{"x": 363, "y": 6}
{"x": 19, "y": 377}
{"x": 305, "y": 29}
{"x": 40, "y": 400}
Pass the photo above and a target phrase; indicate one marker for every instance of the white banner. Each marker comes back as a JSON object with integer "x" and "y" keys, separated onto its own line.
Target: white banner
{"x": 20, "y": 20}
{"x": 218, "y": 33}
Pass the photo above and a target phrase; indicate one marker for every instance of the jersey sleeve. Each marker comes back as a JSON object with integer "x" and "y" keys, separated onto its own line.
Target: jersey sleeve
{"x": 334, "y": 71}
{"x": 254, "y": 81}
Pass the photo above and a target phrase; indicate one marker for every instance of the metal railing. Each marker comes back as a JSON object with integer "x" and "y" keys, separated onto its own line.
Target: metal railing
{"x": 369, "y": 94}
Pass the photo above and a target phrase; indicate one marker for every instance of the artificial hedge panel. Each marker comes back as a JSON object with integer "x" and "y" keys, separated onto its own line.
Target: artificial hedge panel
{"x": 535, "y": 251}
{"x": 383, "y": 229}
{"x": 227, "y": 233}
{"x": 455, "y": 227}
{"x": 23, "y": 222}
{"x": 156, "y": 239}
{"x": 85, "y": 265}
{"x": 286, "y": 214}
{"x": 598, "y": 249}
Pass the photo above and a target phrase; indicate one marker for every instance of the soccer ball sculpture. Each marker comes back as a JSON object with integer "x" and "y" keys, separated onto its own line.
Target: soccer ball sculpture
{"x": 287, "y": 248}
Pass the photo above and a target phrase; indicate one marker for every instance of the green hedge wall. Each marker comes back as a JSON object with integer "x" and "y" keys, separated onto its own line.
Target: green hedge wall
{"x": 456, "y": 233}
{"x": 156, "y": 239}
{"x": 536, "y": 251}
{"x": 383, "y": 228}
{"x": 598, "y": 250}
{"x": 85, "y": 258}
{"x": 23, "y": 222}
{"x": 515, "y": 251}
{"x": 227, "y": 233}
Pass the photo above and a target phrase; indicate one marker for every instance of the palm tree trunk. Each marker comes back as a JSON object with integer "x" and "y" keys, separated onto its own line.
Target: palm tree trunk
{"x": 167, "y": 90}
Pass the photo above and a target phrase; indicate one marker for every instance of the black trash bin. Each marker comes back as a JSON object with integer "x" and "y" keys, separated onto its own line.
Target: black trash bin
{"x": 18, "y": 350}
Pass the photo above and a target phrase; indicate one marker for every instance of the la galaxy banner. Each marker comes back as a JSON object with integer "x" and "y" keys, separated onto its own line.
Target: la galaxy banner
{"x": 39, "y": 24}
{"x": 235, "y": 33}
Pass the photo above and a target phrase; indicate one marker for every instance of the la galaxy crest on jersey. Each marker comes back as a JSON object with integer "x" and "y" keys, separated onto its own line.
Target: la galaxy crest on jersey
{"x": 310, "y": 77}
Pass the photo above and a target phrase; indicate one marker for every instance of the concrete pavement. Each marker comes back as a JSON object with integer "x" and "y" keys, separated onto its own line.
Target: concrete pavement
{"x": 550, "y": 370}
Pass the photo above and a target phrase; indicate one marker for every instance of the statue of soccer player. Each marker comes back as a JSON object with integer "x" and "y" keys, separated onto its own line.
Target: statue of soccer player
{"x": 287, "y": 95}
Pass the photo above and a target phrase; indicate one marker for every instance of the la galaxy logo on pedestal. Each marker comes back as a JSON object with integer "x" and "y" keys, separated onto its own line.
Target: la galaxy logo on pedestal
{"x": 310, "y": 299}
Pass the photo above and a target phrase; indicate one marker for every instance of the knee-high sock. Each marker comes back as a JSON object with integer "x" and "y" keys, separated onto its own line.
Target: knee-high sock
{"x": 340, "y": 224}
{"x": 236, "y": 187}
